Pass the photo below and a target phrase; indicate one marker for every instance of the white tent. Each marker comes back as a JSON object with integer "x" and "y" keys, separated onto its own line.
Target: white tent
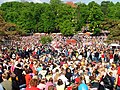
{"x": 114, "y": 44}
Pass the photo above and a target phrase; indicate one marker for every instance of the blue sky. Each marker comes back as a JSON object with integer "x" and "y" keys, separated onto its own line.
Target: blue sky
{"x": 39, "y": 1}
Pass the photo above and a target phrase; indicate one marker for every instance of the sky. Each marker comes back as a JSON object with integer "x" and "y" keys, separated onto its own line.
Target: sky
{"x": 40, "y": 1}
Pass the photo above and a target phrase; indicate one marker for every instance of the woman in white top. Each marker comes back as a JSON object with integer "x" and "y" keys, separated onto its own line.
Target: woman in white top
{"x": 60, "y": 85}
{"x": 41, "y": 85}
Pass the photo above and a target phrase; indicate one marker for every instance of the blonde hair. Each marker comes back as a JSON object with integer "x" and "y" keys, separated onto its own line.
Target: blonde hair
{"x": 51, "y": 87}
{"x": 56, "y": 77}
{"x": 34, "y": 82}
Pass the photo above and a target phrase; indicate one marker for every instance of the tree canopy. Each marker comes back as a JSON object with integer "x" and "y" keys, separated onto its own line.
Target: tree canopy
{"x": 58, "y": 16}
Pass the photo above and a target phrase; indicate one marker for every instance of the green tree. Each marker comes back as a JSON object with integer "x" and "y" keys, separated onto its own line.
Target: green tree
{"x": 58, "y": 16}
{"x": 67, "y": 28}
{"x": 55, "y": 2}
{"x": 115, "y": 31}
{"x": 97, "y": 31}
{"x": 95, "y": 17}
{"x": 45, "y": 39}
{"x": 7, "y": 30}
{"x": 105, "y": 7}
{"x": 82, "y": 15}
{"x": 114, "y": 11}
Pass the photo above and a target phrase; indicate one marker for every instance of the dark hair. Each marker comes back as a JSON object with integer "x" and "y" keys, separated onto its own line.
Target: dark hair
{"x": 51, "y": 80}
{"x": 87, "y": 69}
{"x": 18, "y": 65}
{"x": 27, "y": 71}
{"x": 42, "y": 81}
{"x": 26, "y": 66}
{"x": 60, "y": 82}
{"x": 57, "y": 70}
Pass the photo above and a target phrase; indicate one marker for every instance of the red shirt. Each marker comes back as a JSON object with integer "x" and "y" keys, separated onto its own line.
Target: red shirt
{"x": 27, "y": 78}
{"x": 118, "y": 72}
{"x": 102, "y": 55}
{"x": 69, "y": 88}
{"x": 32, "y": 88}
{"x": 118, "y": 82}
{"x": 31, "y": 66}
{"x": 111, "y": 56}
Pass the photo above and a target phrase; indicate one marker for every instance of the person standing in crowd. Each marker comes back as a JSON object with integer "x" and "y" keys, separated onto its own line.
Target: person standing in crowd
{"x": 1, "y": 72}
{"x": 15, "y": 84}
{"x": 42, "y": 85}
{"x": 28, "y": 77}
{"x": 6, "y": 84}
{"x": 49, "y": 83}
{"x": 63, "y": 78}
{"x": 68, "y": 74}
{"x": 117, "y": 81}
{"x": 82, "y": 86}
{"x": 56, "y": 78}
{"x": 111, "y": 57}
{"x": 51, "y": 87}
{"x": 106, "y": 82}
{"x": 96, "y": 56}
{"x": 75, "y": 75}
{"x": 116, "y": 57}
{"x": 18, "y": 72}
{"x": 33, "y": 85}
{"x": 60, "y": 85}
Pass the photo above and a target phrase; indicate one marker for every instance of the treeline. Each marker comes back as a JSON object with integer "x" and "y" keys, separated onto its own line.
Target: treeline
{"x": 57, "y": 16}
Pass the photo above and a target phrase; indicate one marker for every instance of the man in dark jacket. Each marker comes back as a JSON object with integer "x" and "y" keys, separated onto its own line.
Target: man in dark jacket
{"x": 107, "y": 83}
{"x": 18, "y": 72}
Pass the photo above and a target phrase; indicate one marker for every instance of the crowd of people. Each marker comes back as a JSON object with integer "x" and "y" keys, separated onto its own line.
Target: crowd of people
{"x": 84, "y": 63}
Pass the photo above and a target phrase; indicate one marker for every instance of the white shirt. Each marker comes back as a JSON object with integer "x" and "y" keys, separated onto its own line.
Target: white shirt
{"x": 61, "y": 87}
{"x": 64, "y": 79}
{"x": 41, "y": 86}
{"x": 87, "y": 79}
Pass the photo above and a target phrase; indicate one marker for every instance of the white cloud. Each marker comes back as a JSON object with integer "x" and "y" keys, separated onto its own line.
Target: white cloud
{"x": 3, "y": 1}
{"x": 35, "y": 1}
{"x": 9, "y": 0}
